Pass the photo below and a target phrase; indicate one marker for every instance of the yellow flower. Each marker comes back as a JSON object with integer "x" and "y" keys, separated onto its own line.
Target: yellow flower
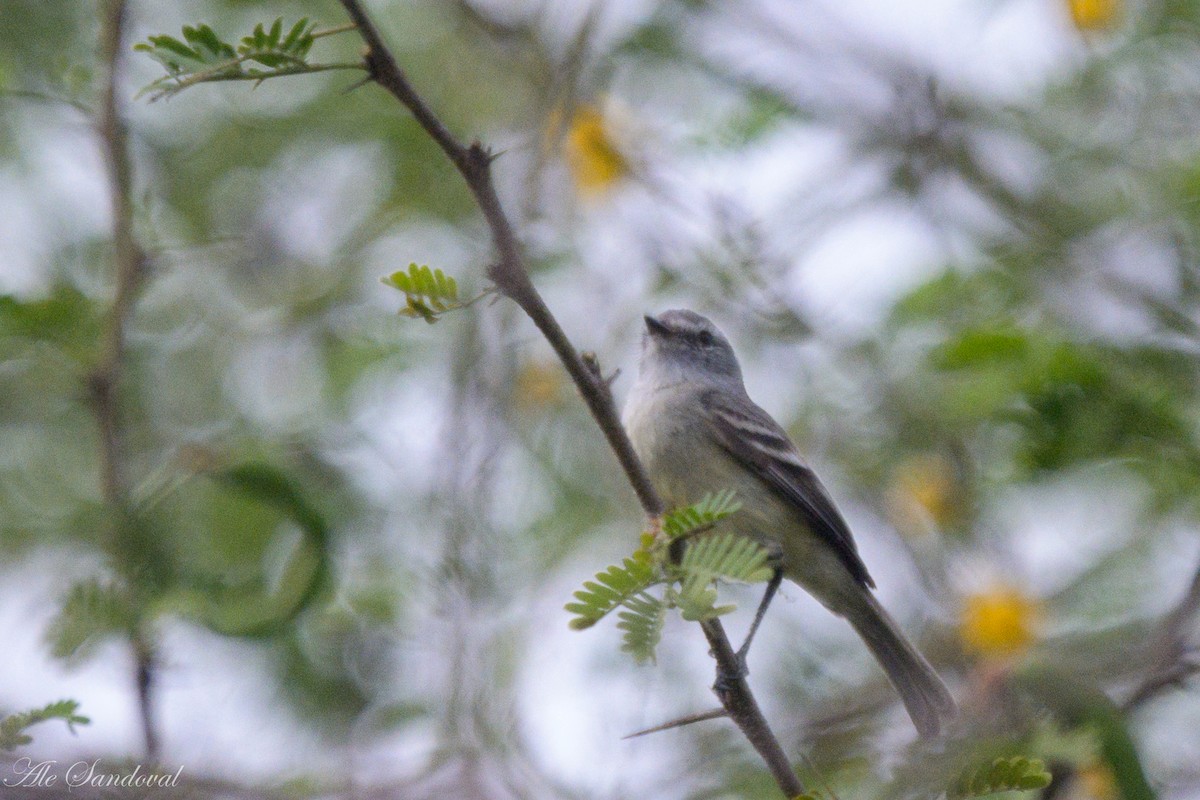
{"x": 924, "y": 494}
{"x": 1098, "y": 781}
{"x": 1094, "y": 15}
{"x": 537, "y": 385}
{"x": 998, "y": 623}
{"x": 592, "y": 154}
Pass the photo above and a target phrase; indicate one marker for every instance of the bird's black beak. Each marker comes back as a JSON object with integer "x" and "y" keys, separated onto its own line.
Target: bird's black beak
{"x": 655, "y": 327}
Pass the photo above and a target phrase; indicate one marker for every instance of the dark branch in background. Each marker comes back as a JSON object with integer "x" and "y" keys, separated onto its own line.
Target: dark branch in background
{"x": 512, "y": 280}
{"x": 129, "y": 264}
{"x": 128, "y": 260}
{"x": 1173, "y": 663}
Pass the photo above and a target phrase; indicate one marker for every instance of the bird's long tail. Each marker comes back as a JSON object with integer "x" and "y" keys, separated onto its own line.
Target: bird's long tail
{"x": 925, "y": 696}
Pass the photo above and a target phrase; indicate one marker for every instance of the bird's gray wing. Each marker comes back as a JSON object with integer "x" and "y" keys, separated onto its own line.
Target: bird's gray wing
{"x": 755, "y": 440}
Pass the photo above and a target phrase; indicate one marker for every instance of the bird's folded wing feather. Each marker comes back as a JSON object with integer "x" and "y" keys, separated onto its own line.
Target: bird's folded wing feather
{"x": 749, "y": 434}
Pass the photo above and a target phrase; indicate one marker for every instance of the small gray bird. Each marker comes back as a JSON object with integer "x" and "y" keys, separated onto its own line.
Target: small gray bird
{"x": 697, "y": 431}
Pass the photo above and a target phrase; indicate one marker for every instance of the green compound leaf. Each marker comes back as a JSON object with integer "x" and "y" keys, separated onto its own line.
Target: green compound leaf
{"x": 272, "y": 49}
{"x": 727, "y": 556}
{"x": 12, "y": 727}
{"x": 202, "y": 56}
{"x": 690, "y": 583}
{"x": 700, "y": 516}
{"x": 428, "y": 292}
{"x": 299, "y": 38}
{"x": 642, "y": 621}
{"x": 1016, "y": 774}
{"x": 203, "y": 50}
{"x": 203, "y": 37}
{"x": 92, "y": 612}
{"x": 615, "y": 586}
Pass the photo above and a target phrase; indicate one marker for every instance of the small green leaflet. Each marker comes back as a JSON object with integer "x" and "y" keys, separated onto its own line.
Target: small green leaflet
{"x": 428, "y": 292}
{"x": 12, "y": 727}
{"x": 1002, "y": 775}
{"x": 726, "y": 556}
{"x": 698, "y": 517}
{"x": 642, "y": 621}
{"x": 202, "y": 56}
{"x": 613, "y": 587}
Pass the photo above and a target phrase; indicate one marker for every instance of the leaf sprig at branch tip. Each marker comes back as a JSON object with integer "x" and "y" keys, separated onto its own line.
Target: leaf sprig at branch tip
{"x": 428, "y": 292}
{"x": 12, "y": 727}
{"x": 202, "y": 56}
{"x": 1016, "y": 774}
{"x": 689, "y": 581}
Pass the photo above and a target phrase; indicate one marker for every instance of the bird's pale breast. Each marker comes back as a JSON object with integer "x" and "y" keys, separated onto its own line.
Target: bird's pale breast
{"x": 685, "y": 463}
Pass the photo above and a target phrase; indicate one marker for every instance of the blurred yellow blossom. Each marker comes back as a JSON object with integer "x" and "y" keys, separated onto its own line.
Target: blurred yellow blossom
{"x": 924, "y": 494}
{"x": 999, "y": 622}
{"x": 592, "y": 153}
{"x": 538, "y": 384}
{"x": 1094, "y": 15}
{"x": 1098, "y": 782}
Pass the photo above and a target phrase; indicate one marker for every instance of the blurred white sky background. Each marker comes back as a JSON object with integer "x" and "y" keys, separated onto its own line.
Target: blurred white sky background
{"x": 578, "y": 694}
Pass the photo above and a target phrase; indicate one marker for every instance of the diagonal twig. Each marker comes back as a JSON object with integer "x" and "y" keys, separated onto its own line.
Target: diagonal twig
{"x": 512, "y": 280}
{"x": 508, "y": 272}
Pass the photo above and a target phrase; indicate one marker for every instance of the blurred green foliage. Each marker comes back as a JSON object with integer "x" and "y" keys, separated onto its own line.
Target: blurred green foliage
{"x": 389, "y": 513}
{"x": 689, "y": 575}
{"x": 12, "y": 727}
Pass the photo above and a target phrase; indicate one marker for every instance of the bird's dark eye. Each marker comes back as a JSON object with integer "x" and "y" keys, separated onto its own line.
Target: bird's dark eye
{"x": 705, "y": 338}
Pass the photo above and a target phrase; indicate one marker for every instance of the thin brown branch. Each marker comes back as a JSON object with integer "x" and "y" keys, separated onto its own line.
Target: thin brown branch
{"x": 734, "y": 693}
{"x": 128, "y": 258}
{"x": 129, "y": 265}
{"x": 1169, "y": 676}
{"x": 145, "y": 673}
{"x": 512, "y": 279}
{"x": 169, "y": 87}
{"x": 1172, "y": 662}
{"x": 508, "y": 272}
{"x": 336, "y": 29}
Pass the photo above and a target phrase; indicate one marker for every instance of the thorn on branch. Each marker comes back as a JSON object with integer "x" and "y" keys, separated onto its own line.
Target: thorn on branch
{"x": 479, "y": 158}
{"x": 716, "y": 713}
{"x": 495, "y": 273}
{"x": 593, "y": 366}
{"x": 371, "y": 62}
{"x": 358, "y": 84}
{"x": 481, "y": 152}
